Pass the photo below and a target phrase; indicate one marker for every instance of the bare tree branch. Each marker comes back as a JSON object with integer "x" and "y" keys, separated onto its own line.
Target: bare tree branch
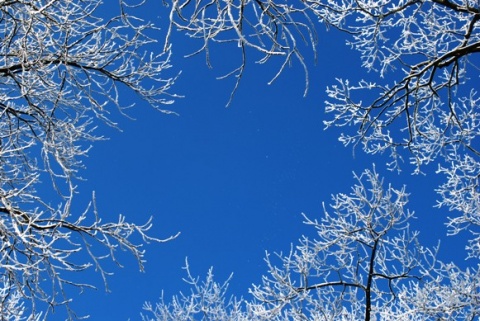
{"x": 62, "y": 69}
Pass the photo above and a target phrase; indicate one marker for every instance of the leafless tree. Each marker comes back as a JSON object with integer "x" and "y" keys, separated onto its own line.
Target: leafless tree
{"x": 62, "y": 69}
{"x": 422, "y": 96}
{"x": 363, "y": 263}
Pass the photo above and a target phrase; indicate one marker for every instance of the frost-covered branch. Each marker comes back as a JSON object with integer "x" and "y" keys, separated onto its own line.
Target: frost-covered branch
{"x": 363, "y": 263}
{"x": 271, "y": 29}
{"x": 63, "y": 69}
{"x": 423, "y": 98}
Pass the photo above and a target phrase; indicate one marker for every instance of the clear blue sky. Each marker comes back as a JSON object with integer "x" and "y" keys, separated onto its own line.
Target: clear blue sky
{"x": 233, "y": 181}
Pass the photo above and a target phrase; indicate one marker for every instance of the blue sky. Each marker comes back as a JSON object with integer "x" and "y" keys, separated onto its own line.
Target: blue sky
{"x": 234, "y": 181}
